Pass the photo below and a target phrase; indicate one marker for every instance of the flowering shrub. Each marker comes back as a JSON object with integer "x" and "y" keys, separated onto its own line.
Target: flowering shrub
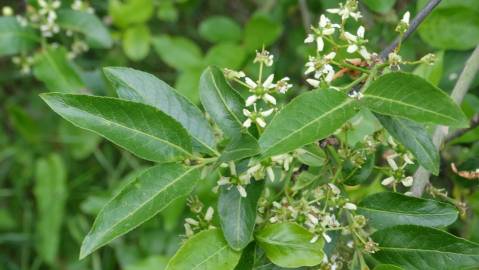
{"x": 331, "y": 178}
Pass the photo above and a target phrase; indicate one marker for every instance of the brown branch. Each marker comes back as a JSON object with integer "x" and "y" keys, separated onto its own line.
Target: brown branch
{"x": 458, "y": 133}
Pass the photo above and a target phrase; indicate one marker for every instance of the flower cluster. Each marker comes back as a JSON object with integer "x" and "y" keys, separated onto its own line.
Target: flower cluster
{"x": 261, "y": 97}
{"x": 322, "y": 211}
{"x": 203, "y": 219}
{"x": 397, "y": 159}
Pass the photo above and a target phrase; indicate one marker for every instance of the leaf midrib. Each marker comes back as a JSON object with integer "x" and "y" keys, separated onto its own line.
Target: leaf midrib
{"x": 340, "y": 106}
{"x": 144, "y": 203}
{"x": 426, "y": 250}
{"x": 209, "y": 257}
{"x": 405, "y": 213}
{"x": 194, "y": 137}
{"x": 408, "y": 105}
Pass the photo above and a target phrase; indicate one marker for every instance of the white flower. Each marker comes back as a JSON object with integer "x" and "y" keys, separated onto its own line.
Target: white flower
{"x": 325, "y": 28}
{"x": 356, "y": 43}
{"x": 257, "y": 117}
{"x": 283, "y": 159}
{"x": 350, "y": 206}
{"x": 321, "y": 68}
{"x": 387, "y": 181}
{"x": 407, "y": 159}
{"x": 264, "y": 57}
{"x": 347, "y": 10}
{"x": 282, "y": 85}
{"x": 191, "y": 221}
{"x": 188, "y": 231}
{"x": 334, "y": 188}
{"x": 313, "y": 82}
{"x": 273, "y": 219}
{"x": 406, "y": 17}
{"x": 392, "y": 162}
{"x": 270, "y": 172}
{"x": 314, "y": 239}
{"x": 314, "y": 220}
{"x": 394, "y": 59}
{"x": 260, "y": 91}
{"x": 7, "y": 11}
{"x": 408, "y": 181}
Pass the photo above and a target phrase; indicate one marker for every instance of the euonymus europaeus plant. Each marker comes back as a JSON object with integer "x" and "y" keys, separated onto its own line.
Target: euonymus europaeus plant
{"x": 283, "y": 170}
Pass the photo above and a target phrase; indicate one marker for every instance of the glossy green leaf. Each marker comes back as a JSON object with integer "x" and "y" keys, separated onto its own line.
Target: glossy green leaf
{"x": 57, "y": 72}
{"x": 222, "y": 56}
{"x": 239, "y": 148}
{"x": 452, "y": 25}
{"x": 136, "y": 42}
{"x": 380, "y": 6}
{"x": 417, "y": 248}
{"x": 14, "y": 38}
{"x": 178, "y": 52}
{"x": 143, "y": 87}
{"x": 409, "y": 96}
{"x": 261, "y": 31}
{"x": 220, "y": 29}
{"x": 415, "y": 138}
{"x": 88, "y": 24}
{"x": 288, "y": 245}
{"x": 238, "y": 214}
{"x": 204, "y": 251}
{"x": 387, "y": 267}
{"x": 141, "y": 129}
{"x": 307, "y": 118}
{"x": 50, "y": 194}
{"x": 140, "y": 200}
{"x": 128, "y": 12}
{"x": 388, "y": 209}
{"x": 222, "y": 102}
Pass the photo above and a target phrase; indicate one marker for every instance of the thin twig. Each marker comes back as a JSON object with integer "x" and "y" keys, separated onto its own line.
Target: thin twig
{"x": 458, "y": 133}
{"x": 421, "y": 177}
{"x": 305, "y": 15}
{"x": 412, "y": 27}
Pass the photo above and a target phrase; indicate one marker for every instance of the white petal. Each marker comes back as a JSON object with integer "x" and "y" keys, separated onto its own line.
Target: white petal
{"x": 309, "y": 38}
{"x": 250, "y": 83}
{"x": 333, "y": 10}
{"x": 329, "y": 76}
{"x": 268, "y": 82}
{"x": 406, "y": 17}
{"x": 241, "y": 191}
{"x": 247, "y": 123}
{"x": 309, "y": 70}
{"x": 350, "y": 37}
{"x": 269, "y": 98}
{"x": 361, "y": 31}
{"x": 352, "y": 48}
{"x": 330, "y": 56}
{"x": 320, "y": 44}
{"x": 314, "y": 239}
{"x": 364, "y": 53}
{"x": 323, "y": 21}
{"x": 270, "y": 173}
{"x": 260, "y": 122}
{"x": 328, "y": 31}
{"x": 251, "y": 100}
{"x": 313, "y": 82}
{"x": 313, "y": 219}
{"x": 350, "y": 206}
{"x": 387, "y": 181}
{"x": 246, "y": 112}
{"x": 392, "y": 162}
{"x": 267, "y": 113}
{"x": 209, "y": 213}
{"x": 407, "y": 182}
{"x": 327, "y": 238}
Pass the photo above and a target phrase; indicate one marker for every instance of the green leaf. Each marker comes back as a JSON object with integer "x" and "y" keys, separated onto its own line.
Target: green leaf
{"x": 143, "y": 87}
{"x": 312, "y": 155}
{"x": 238, "y": 214}
{"x": 88, "y": 24}
{"x": 452, "y": 25}
{"x": 136, "y": 42}
{"x": 178, "y": 52}
{"x": 261, "y": 31}
{"x": 141, "y": 199}
{"x": 124, "y": 13}
{"x": 239, "y": 148}
{"x": 50, "y": 193}
{"x": 55, "y": 70}
{"x": 204, "y": 251}
{"x": 415, "y": 138}
{"x": 387, "y": 267}
{"x": 288, "y": 245}
{"x": 380, "y": 6}
{"x": 388, "y": 209}
{"x": 187, "y": 83}
{"x": 222, "y": 102}
{"x": 416, "y": 247}
{"x": 220, "y": 29}
{"x": 409, "y": 96}
{"x": 139, "y": 128}
{"x": 14, "y": 38}
{"x": 431, "y": 73}
{"x": 307, "y": 118}
{"x": 226, "y": 55}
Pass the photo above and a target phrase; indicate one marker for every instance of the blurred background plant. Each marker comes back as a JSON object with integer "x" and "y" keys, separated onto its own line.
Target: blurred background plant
{"x": 54, "y": 177}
